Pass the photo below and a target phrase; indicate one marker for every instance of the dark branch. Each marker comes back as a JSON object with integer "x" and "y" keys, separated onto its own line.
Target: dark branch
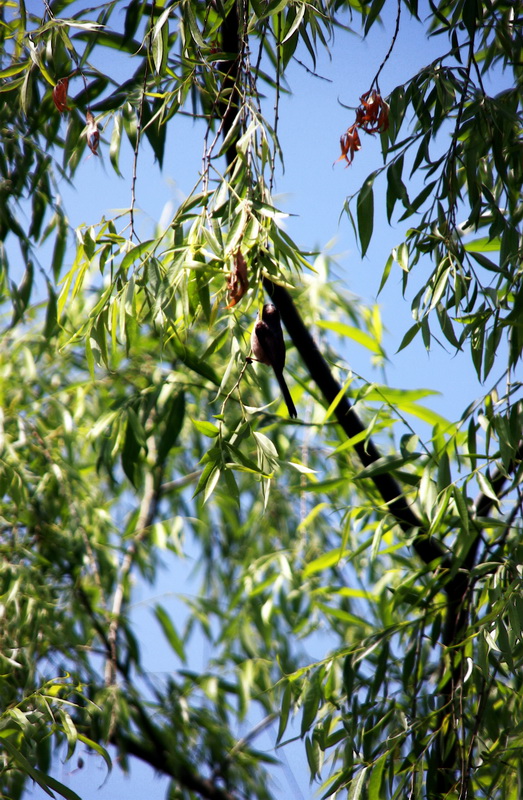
{"x": 429, "y": 550}
{"x": 228, "y": 107}
{"x": 183, "y": 774}
{"x": 154, "y": 750}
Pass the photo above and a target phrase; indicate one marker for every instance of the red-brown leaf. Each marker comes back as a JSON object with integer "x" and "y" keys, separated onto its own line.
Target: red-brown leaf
{"x": 237, "y": 283}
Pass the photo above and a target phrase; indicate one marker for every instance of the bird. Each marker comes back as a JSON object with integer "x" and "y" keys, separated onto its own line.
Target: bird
{"x": 268, "y": 348}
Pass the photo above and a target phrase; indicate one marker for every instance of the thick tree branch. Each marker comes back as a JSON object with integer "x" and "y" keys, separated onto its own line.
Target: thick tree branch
{"x": 232, "y": 45}
{"x": 184, "y": 775}
{"x": 484, "y": 504}
{"x": 155, "y": 751}
{"x": 428, "y": 549}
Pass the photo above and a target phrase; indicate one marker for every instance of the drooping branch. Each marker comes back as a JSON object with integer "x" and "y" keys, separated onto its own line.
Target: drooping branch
{"x": 230, "y": 93}
{"x": 154, "y": 751}
{"x": 429, "y": 550}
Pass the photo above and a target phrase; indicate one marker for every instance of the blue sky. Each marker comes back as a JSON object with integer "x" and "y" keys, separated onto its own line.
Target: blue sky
{"x": 313, "y": 191}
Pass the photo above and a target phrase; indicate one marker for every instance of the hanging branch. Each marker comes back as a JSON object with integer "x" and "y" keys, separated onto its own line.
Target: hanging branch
{"x": 148, "y": 509}
{"x": 231, "y": 32}
{"x": 391, "y": 48}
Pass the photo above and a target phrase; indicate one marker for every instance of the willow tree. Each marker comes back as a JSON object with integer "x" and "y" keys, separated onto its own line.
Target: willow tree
{"x": 133, "y": 418}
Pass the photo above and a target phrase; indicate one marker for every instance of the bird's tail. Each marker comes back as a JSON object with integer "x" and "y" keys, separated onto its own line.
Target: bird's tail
{"x": 286, "y": 395}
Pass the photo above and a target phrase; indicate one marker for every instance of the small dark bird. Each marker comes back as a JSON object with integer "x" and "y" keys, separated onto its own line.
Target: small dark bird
{"x": 268, "y": 347}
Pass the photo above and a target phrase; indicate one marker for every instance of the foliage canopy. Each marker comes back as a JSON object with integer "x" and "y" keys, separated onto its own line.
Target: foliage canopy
{"x": 132, "y": 428}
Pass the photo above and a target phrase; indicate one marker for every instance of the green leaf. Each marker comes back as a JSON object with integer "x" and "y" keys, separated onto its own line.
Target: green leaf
{"x": 14, "y": 69}
{"x": 487, "y": 488}
{"x": 311, "y": 704}
{"x": 173, "y": 425}
{"x": 206, "y": 428}
{"x": 357, "y": 784}
{"x": 409, "y": 336}
{"x": 372, "y": 15}
{"x": 376, "y": 778}
{"x": 323, "y": 562}
{"x": 349, "y": 331}
{"x": 192, "y": 23}
{"x": 284, "y": 711}
{"x": 365, "y": 213}
{"x": 38, "y": 777}
{"x": 296, "y": 24}
{"x": 139, "y": 252}
{"x": 97, "y": 749}
{"x": 483, "y": 245}
{"x": 170, "y": 631}
{"x": 386, "y": 464}
{"x": 116, "y": 140}
{"x": 160, "y": 42}
{"x": 386, "y": 273}
{"x": 111, "y": 39}
{"x": 133, "y": 443}
{"x": 444, "y": 476}
{"x": 70, "y": 732}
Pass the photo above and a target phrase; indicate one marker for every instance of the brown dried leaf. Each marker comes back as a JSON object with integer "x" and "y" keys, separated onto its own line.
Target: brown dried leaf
{"x": 237, "y": 283}
{"x": 60, "y": 95}
{"x": 92, "y": 133}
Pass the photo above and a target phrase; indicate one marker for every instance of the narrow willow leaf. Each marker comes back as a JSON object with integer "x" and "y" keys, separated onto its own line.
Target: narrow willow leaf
{"x": 350, "y": 332}
{"x": 284, "y": 711}
{"x": 483, "y": 245}
{"x": 311, "y": 704}
{"x": 384, "y": 465}
{"x": 206, "y": 428}
{"x": 357, "y": 784}
{"x": 296, "y": 24}
{"x": 444, "y": 476}
{"x": 192, "y": 23}
{"x": 440, "y": 510}
{"x": 173, "y": 425}
{"x": 365, "y": 213}
{"x": 409, "y": 336}
{"x": 386, "y": 273}
{"x": 462, "y": 507}
{"x": 70, "y": 732}
{"x": 97, "y": 749}
{"x": 35, "y": 774}
{"x": 170, "y": 631}
{"x": 376, "y": 778}
{"x": 323, "y": 562}
{"x": 116, "y": 140}
{"x": 486, "y": 487}
{"x": 214, "y": 477}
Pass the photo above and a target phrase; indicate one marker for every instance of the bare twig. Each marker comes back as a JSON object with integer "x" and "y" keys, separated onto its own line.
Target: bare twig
{"x": 391, "y": 48}
{"x": 180, "y": 483}
{"x": 147, "y": 513}
{"x": 132, "y": 233}
{"x": 276, "y": 95}
{"x": 311, "y": 71}
{"x": 236, "y": 385}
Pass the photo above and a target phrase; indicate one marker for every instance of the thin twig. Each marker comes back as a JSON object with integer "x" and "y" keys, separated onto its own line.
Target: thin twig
{"x": 180, "y": 483}
{"x": 236, "y": 385}
{"x": 311, "y": 71}
{"x": 276, "y": 97}
{"x": 391, "y": 48}
{"x": 452, "y": 156}
{"x": 132, "y": 233}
